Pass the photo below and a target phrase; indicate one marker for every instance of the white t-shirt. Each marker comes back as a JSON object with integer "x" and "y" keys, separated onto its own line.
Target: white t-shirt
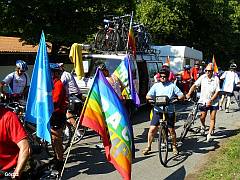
{"x": 69, "y": 83}
{"x": 230, "y": 79}
{"x": 18, "y": 83}
{"x": 208, "y": 88}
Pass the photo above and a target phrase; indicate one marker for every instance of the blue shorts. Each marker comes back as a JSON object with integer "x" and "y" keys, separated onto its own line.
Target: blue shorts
{"x": 205, "y": 108}
{"x": 157, "y": 115}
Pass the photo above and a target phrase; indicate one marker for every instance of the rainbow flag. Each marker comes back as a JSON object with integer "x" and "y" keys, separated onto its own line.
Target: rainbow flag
{"x": 215, "y": 68}
{"x": 131, "y": 39}
{"x": 124, "y": 73}
{"x": 104, "y": 113}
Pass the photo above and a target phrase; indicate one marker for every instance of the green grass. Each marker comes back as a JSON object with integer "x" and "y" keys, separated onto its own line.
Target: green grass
{"x": 225, "y": 164}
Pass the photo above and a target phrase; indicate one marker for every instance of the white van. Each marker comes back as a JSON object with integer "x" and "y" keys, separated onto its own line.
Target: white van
{"x": 144, "y": 67}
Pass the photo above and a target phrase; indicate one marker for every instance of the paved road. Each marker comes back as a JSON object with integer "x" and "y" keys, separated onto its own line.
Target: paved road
{"x": 88, "y": 162}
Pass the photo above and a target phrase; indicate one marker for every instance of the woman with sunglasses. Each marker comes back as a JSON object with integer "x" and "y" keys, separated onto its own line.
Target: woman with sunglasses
{"x": 209, "y": 84}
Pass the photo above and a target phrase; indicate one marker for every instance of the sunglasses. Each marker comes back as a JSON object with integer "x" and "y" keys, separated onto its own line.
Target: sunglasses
{"x": 209, "y": 70}
{"x": 163, "y": 76}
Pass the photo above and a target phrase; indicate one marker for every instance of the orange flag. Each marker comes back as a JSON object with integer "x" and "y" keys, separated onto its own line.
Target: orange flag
{"x": 215, "y": 68}
{"x": 168, "y": 61}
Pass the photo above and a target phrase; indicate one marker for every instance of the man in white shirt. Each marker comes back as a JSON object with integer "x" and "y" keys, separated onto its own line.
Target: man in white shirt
{"x": 208, "y": 97}
{"x": 230, "y": 80}
{"x": 18, "y": 81}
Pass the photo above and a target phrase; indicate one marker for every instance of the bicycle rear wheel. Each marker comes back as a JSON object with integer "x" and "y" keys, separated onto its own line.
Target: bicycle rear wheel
{"x": 163, "y": 145}
{"x": 80, "y": 134}
{"x": 186, "y": 127}
{"x": 67, "y": 136}
{"x": 99, "y": 39}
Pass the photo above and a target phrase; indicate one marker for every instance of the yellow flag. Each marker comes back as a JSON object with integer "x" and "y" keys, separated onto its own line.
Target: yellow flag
{"x": 215, "y": 68}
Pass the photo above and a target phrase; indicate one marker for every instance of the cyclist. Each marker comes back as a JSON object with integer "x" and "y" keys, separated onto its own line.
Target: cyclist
{"x": 74, "y": 96}
{"x": 230, "y": 79}
{"x": 185, "y": 78}
{"x": 14, "y": 146}
{"x": 18, "y": 81}
{"x": 208, "y": 98}
{"x": 58, "y": 117}
{"x": 171, "y": 78}
{"x": 195, "y": 71}
{"x": 163, "y": 87}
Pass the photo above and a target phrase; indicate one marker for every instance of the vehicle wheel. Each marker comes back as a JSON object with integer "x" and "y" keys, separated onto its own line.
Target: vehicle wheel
{"x": 186, "y": 127}
{"x": 163, "y": 145}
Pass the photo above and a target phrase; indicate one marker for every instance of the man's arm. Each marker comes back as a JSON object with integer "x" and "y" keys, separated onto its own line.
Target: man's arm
{"x": 24, "y": 153}
{"x": 190, "y": 91}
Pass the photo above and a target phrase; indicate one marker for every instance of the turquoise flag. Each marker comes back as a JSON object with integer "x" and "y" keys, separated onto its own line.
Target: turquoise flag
{"x": 39, "y": 106}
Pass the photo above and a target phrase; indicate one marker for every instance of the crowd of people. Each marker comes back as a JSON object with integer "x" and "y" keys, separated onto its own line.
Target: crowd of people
{"x": 15, "y": 149}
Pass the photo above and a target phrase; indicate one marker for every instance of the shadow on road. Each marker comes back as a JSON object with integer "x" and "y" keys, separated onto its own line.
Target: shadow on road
{"x": 178, "y": 174}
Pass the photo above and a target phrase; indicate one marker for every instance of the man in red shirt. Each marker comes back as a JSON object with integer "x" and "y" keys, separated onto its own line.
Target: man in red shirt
{"x": 195, "y": 72}
{"x": 58, "y": 117}
{"x": 14, "y": 146}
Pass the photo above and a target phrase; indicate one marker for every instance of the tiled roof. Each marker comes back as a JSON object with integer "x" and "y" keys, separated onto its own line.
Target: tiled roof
{"x": 15, "y": 45}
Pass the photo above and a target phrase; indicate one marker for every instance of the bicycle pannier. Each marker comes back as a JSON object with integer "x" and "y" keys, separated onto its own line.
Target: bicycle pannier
{"x": 161, "y": 100}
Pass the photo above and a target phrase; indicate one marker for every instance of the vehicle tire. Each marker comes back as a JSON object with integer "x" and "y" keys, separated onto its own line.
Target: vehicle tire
{"x": 186, "y": 127}
{"x": 163, "y": 145}
{"x": 67, "y": 137}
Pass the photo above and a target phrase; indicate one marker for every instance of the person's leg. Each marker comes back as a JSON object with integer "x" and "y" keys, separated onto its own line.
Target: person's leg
{"x": 212, "y": 121}
{"x": 221, "y": 101}
{"x": 57, "y": 143}
{"x": 151, "y": 133}
{"x": 228, "y": 103}
{"x": 202, "y": 119}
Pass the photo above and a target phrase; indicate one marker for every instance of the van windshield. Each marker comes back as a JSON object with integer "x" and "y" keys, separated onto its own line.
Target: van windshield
{"x": 111, "y": 65}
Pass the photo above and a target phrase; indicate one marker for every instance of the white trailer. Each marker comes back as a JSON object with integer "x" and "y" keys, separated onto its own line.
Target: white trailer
{"x": 179, "y": 56}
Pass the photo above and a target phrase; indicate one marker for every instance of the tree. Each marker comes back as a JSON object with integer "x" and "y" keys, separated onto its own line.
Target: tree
{"x": 63, "y": 21}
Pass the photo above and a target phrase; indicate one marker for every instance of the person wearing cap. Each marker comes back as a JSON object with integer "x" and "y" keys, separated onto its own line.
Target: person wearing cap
{"x": 171, "y": 78}
{"x": 58, "y": 118}
{"x": 185, "y": 78}
{"x": 195, "y": 71}
{"x": 74, "y": 96}
{"x": 209, "y": 90}
{"x": 230, "y": 79}
{"x": 18, "y": 82}
{"x": 167, "y": 88}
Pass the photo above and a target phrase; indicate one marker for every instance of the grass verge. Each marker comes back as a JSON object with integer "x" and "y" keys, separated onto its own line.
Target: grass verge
{"x": 225, "y": 164}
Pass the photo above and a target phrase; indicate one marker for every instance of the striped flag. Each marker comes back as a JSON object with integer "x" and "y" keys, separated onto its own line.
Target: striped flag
{"x": 104, "y": 113}
{"x": 131, "y": 39}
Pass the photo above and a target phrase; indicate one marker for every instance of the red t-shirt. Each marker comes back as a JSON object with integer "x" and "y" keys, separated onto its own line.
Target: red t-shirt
{"x": 59, "y": 96}
{"x": 11, "y": 132}
{"x": 195, "y": 73}
{"x": 186, "y": 75}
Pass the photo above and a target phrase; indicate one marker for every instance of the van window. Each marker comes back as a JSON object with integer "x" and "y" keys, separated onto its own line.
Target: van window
{"x": 152, "y": 69}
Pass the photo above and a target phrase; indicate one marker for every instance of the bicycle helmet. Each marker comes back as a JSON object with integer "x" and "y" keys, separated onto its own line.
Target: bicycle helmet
{"x": 233, "y": 66}
{"x": 187, "y": 67}
{"x": 22, "y": 65}
{"x": 54, "y": 67}
{"x": 164, "y": 71}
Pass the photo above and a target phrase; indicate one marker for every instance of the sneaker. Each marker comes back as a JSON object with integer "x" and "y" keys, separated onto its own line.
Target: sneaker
{"x": 202, "y": 131}
{"x": 220, "y": 108}
{"x": 209, "y": 137}
{"x": 175, "y": 151}
{"x": 227, "y": 110}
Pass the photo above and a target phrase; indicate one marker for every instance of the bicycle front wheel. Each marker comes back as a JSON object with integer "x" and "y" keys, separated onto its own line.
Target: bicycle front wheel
{"x": 186, "y": 127}
{"x": 163, "y": 145}
{"x": 80, "y": 133}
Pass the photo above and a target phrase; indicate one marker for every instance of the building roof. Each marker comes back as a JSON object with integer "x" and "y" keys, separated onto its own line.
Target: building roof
{"x": 15, "y": 45}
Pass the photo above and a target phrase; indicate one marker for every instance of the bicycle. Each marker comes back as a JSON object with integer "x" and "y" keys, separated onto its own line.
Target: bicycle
{"x": 114, "y": 35}
{"x": 164, "y": 139}
{"x": 192, "y": 117}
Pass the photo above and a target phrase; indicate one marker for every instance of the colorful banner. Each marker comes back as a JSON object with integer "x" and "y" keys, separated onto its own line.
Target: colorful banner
{"x": 39, "y": 106}
{"x": 131, "y": 39}
{"x": 104, "y": 113}
{"x": 124, "y": 73}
